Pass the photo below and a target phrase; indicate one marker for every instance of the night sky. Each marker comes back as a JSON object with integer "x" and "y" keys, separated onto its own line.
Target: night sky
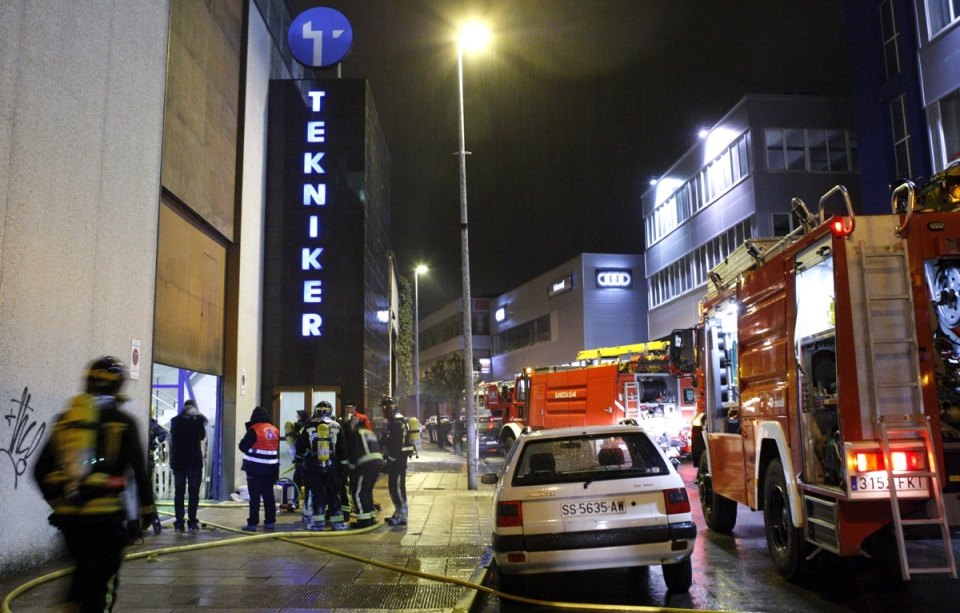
{"x": 570, "y": 111}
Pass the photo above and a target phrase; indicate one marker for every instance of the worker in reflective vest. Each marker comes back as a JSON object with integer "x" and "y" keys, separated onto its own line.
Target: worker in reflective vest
{"x": 261, "y": 461}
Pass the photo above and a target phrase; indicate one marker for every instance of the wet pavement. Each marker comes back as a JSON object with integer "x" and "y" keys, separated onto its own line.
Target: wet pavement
{"x": 447, "y": 535}
{"x": 734, "y": 573}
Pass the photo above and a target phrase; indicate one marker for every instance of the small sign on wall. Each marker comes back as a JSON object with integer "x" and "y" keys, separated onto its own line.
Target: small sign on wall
{"x": 135, "y": 359}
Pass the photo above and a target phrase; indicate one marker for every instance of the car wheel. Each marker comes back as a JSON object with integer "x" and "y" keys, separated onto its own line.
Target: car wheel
{"x": 719, "y": 513}
{"x": 784, "y": 540}
{"x": 508, "y": 440}
{"x": 679, "y": 576}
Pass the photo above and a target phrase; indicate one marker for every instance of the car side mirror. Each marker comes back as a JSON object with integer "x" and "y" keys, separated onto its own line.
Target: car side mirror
{"x": 489, "y": 478}
{"x": 675, "y": 462}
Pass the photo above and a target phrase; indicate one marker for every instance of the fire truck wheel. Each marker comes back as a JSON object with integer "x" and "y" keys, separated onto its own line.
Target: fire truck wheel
{"x": 784, "y": 540}
{"x": 719, "y": 513}
{"x": 678, "y": 577}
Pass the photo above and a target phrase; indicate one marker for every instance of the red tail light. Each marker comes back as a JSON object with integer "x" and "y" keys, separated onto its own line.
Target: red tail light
{"x": 676, "y": 501}
{"x": 840, "y": 227}
{"x": 902, "y": 461}
{"x": 510, "y": 514}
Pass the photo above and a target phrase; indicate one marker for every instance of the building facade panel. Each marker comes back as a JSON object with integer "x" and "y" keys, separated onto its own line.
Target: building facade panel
{"x": 737, "y": 183}
{"x": 321, "y": 291}
{"x": 201, "y": 116}
{"x": 81, "y": 170}
{"x": 939, "y": 58}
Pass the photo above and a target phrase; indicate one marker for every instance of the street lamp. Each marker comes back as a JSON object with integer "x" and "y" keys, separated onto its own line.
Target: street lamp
{"x": 421, "y": 269}
{"x": 473, "y": 37}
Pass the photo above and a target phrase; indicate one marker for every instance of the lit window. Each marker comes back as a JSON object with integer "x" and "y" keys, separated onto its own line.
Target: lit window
{"x": 942, "y": 13}
{"x": 950, "y": 123}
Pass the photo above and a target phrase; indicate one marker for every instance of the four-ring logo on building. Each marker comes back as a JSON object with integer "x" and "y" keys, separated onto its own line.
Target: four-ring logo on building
{"x": 614, "y": 278}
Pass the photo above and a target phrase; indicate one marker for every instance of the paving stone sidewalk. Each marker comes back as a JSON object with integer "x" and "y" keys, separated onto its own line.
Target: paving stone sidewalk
{"x": 447, "y": 535}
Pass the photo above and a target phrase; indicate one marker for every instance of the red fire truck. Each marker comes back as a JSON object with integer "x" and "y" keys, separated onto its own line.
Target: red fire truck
{"x": 825, "y": 360}
{"x": 635, "y": 382}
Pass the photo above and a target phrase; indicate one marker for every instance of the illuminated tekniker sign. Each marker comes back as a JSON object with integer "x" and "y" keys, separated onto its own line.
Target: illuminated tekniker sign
{"x": 314, "y": 195}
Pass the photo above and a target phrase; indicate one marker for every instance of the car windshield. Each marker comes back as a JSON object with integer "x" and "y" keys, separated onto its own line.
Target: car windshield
{"x": 588, "y": 458}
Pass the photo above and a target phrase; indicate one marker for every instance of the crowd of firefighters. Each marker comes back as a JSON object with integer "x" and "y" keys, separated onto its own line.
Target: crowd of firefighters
{"x": 336, "y": 464}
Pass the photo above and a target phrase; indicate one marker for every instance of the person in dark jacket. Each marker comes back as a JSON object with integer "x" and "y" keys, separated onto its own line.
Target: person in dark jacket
{"x": 365, "y": 461}
{"x": 293, "y": 433}
{"x": 395, "y": 458}
{"x": 261, "y": 461}
{"x": 187, "y": 430}
{"x": 86, "y": 490}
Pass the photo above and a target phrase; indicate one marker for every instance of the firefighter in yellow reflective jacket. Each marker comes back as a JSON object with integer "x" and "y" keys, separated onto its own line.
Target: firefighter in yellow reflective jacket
{"x": 363, "y": 450}
{"x": 320, "y": 447}
{"x": 81, "y": 475}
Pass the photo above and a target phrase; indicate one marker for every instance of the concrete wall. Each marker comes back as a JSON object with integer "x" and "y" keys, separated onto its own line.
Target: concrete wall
{"x": 81, "y": 116}
{"x": 262, "y": 64}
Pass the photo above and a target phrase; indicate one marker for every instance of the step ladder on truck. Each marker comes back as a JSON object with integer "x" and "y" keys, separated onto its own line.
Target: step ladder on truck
{"x": 821, "y": 380}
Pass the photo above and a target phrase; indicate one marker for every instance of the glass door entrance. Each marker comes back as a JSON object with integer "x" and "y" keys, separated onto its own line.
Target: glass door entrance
{"x": 293, "y": 399}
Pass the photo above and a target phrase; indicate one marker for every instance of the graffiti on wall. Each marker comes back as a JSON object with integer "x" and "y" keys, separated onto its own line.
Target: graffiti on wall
{"x": 21, "y": 435}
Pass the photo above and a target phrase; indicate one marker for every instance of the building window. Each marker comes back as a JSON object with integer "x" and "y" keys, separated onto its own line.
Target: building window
{"x": 901, "y": 137}
{"x": 888, "y": 27}
{"x": 784, "y": 223}
{"x": 710, "y": 183}
{"x": 950, "y": 123}
{"x": 942, "y": 13}
{"x": 524, "y": 335}
{"x": 813, "y": 150}
{"x": 690, "y": 271}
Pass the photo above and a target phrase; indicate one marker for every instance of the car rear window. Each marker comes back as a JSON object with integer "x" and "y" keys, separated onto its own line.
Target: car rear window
{"x": 589, "y": 458}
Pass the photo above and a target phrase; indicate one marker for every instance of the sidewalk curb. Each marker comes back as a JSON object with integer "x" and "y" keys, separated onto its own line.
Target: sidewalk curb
{"x": 469, "y": 596}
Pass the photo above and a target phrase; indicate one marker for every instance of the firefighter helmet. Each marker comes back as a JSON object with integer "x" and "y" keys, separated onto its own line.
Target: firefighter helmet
{"x": 388, "y": 405}
{"x": 323, "y": 409}
{"x": 105, "y": 376}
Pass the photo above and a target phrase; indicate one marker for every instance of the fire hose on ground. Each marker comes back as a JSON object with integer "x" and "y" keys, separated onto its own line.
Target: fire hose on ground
{"x": 297, "y": 538}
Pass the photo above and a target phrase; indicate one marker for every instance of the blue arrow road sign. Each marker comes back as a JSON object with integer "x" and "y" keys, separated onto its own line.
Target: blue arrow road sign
{"x": 320, "y": 37}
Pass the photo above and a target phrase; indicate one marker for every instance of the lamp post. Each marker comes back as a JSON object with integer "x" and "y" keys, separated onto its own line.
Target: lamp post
{"x": 473, "y": 37}
{"x": 416, "y": 334}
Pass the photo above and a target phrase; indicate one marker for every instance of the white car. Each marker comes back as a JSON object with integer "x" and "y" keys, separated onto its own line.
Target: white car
{"x": 575, "y": 499}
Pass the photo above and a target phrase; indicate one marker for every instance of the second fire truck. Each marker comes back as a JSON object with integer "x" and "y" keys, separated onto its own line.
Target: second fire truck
{"x": 636, "y": 382}
{"x": 829, "y": 379}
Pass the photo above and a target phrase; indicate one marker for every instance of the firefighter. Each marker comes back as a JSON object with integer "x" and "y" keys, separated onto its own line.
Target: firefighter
{"x": 365, "y": 458}
{"x": 293, "y": 431}
{"x": 395, "y": 459}
{"x": 261, "y": 461}
{"x": 86, "y": 491}
{"x": 320, "y": 447}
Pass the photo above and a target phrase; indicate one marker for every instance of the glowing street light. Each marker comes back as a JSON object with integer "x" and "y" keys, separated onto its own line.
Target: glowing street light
{"x": 473, "y": 37}
{"x": 421, "y": 269}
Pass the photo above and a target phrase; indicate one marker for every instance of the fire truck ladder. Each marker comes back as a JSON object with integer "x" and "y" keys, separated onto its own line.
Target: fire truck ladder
{"x": 631, "y": 399}
{"x": 910, "y": 424}
{"x": 902, "y": 426}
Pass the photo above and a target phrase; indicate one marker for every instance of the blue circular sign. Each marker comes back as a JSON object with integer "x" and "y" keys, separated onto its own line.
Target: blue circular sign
{"x": 320, "y": 37}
